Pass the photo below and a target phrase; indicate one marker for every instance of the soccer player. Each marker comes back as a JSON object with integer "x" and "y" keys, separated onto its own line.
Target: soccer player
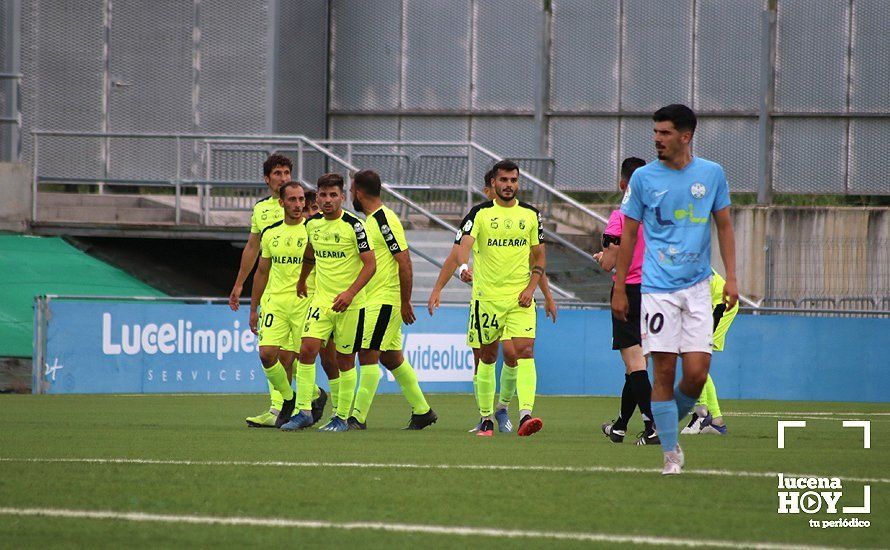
{"x": 674, "y": 197}
{"x": 626, "y": 333}
{"x": 507, "y": 383}
{"x": 283, "y": 313}
{"x": 388, "y": 305}
{"x": 707, "y": 418}
{"x": 508, "y": 239}
{"x": 276, "y": 172}
{"x": 344, "y": 263}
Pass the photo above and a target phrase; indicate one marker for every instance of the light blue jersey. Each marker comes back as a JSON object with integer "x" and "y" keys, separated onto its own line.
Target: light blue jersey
{"x": 675, "y": 208}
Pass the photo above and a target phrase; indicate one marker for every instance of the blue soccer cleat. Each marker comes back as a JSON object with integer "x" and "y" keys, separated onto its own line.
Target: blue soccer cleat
{"x": 336, "y": 424}
{"x": 708, "y": 427}
{"x": 503, "y": 419}
{"x": 298, "y": 422}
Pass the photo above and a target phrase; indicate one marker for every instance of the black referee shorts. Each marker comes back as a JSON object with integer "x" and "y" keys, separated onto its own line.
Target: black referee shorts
{"x": 627, "y": 333}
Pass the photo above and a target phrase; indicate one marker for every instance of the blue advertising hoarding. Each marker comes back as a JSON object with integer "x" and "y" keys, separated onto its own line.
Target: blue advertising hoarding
{"x": 164, "y": 347}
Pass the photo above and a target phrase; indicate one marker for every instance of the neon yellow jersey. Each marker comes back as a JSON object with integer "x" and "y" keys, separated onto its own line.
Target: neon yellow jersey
{"x": 717, "y": 284}
{"x": 284, "y": 244}
{"x": 387, "y": 235}
{"x": 503, "y": 240}
{"x": 265, "y": 212}
{"x": 337, "y": 245}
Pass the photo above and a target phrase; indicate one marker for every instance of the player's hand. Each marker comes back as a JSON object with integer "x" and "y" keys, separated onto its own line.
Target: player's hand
{"x": 254, "y": 319}
{"x": 550, "y": 309}
{"x": 730, "y": 294}
{"x": 619, "y": 304}
{"x": 342, "y": 301}
{"x": 467, "y": 275}
{"x": 234, "y": 296}
{"x": 408, "y": 313}
{"x": 598, "y": 256}
{"x": 302, "y": 291}
{"x": 525, "y": 299}
{"x": 433, "y": 303}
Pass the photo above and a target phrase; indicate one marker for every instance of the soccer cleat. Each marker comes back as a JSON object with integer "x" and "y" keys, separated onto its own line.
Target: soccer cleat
{"x": 648, "y": 438}
{"x": 318, "y": 405}
{"x": 708, "y": 427}
{"x": 353, "y": 424}
{"x": 529, "y": 426}
{"x": 694, "y": 426}
{"x": 336, "y": 424}
{"x": 617, "y": 436}
{"x": 672, "y": 464}
{"x": 264, "y": 420}
{"x": 477, "y": 427}
{"x": 421, "y": 421}
{"x": 486, "y": 428}
{"x": 299, "y": 421}
{"x": 287, "y": 410}
{"x": 503, "y": 418}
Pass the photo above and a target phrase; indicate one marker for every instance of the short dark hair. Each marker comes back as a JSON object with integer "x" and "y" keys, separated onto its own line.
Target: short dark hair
{"x": 276, "y": 160}
{"x": 488, "y": 175}
{"x": 368, "y": 181}
{"x": 311, "y": 196}
{"x": 331, "y": 179}
{"x": 682, "y": 116}
{"x": 629, "y": 165}
{"x": 291, "y": 183}
{"x": 506, "y": 165}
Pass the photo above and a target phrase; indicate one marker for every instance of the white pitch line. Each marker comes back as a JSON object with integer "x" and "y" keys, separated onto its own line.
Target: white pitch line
{"x": 809, "y": 413}
{"x": 408, "y": 466}
{"x": 392, "y": 527}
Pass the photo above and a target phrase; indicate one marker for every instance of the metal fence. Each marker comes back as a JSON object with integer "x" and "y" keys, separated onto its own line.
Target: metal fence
{"x": 774, "y": 90}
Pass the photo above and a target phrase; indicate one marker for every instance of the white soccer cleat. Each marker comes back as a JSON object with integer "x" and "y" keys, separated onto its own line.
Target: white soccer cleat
{"x": 673, "y": 463}
{"x": 694, "y": 426}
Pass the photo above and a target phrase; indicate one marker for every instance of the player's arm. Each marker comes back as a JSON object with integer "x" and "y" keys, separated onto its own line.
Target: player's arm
{"x": 538, "y": 261}
{"x": 726, "y": 239}
{"x": 260, "y": 280}
{"x": 248, "y": 259}
{"x": 608, "y": 257}
{"x": 622, "y": 265}
{"x": 463, "y": 257}
{"x": 448, "y": 267}
{"x": 369, "y": 266}
{"x": 406, "y": 282}
{"x": 549, "y": 305}
{"x": 305, "y": 269}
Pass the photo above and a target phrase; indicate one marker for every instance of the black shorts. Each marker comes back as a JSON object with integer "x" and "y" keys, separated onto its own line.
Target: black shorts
{"x": 626, "y": 334}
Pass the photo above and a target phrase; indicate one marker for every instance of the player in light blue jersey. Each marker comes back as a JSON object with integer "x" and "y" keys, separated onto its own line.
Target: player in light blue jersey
{"x": 674, "y": 198}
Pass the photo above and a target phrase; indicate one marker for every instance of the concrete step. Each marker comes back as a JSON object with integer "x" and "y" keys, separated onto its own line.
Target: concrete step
{"x": 83, "y": 199}
{"x": 105, "y": 214}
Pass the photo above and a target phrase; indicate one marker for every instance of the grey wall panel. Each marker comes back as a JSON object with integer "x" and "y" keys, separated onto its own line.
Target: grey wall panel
{"x": 435, "y": 129}
{"x": 637, "y": 138}
{"x": 507, "y": 43}
{"x": 301, "y": 68}
{"x": 811, "y": 64}
{"x": 150, "y": 66}
{"x": 868, "y": 152}
{"x": 809, "y": 156}
{"x": 509, "y": 137}
{"x": 870, "y": 56}
{"x": 235, "y": 61}
{"x": 727, "y": 54}
{"x": 437, "y": 67}
{"x": 365, "y": 127}
{"x": 365, "y": 54}
{"x": 584, "y": 66}
{"x": 657, "y": 54}
{"x": 585, "y": 153}
{"x": 732, "y": 142}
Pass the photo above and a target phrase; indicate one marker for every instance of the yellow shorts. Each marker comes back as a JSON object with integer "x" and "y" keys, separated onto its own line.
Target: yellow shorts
{"x": 346, "y": 327}
{"x": 496, "y": 320}
{"x": 383, "y": 327}
{"x": 721, "y": 326}
{"x": 281, "y": 320}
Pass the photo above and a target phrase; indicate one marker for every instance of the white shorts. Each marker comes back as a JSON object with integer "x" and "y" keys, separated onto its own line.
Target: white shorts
{"x": 678, "y": 322}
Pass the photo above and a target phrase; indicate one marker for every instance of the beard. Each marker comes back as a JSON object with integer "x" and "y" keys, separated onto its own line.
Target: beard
{"x": 505, "y": 198}
{"x": 357, "y": 205}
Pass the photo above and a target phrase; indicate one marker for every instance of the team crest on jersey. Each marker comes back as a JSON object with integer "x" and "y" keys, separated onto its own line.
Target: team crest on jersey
{"x": 698, "y": 190}
{"x": 508, "y": 223}
{"x": 336, "y": 237}
{"x": 494, "y": 223}
{"x": 300, "y": 242}
{"x": 288, "y": 241}
{"x": 522, "y": 224}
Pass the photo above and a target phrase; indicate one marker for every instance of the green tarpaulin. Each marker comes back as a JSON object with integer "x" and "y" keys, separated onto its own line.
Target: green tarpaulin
{"x": 30, "y": 266}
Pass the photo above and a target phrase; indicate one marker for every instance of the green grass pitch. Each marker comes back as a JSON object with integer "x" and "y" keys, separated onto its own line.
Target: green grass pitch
{"x": 566, "y": 485}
